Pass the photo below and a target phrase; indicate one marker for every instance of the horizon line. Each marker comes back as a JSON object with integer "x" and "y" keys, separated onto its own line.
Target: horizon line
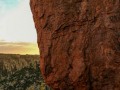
{"x": 17, "y": 54}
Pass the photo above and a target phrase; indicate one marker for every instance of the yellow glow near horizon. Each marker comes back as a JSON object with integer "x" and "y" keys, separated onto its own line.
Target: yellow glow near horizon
{"x": 30, "y": 49}
{"x": 18, "y": 48}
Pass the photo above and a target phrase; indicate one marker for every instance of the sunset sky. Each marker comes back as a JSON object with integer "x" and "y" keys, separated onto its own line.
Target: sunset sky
{"x": 17, "y": 31}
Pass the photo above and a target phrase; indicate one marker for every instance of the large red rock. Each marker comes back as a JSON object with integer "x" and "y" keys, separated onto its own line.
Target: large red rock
{"x": 79, "y": 42}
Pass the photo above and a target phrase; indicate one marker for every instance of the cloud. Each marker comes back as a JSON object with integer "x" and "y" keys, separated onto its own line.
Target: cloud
{"x": 17, "y": 25}
{"x": 17, "y": 31}
{"x": 18, "y": 48}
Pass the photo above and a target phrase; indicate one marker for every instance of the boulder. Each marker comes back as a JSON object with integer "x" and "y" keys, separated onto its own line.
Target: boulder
{"x": 79, "y": 43}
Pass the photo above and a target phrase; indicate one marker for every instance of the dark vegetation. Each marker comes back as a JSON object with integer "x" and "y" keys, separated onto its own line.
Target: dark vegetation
{"x": 21, "y": 78}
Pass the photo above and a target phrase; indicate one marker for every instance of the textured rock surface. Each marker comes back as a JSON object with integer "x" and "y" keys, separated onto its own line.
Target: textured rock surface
{"x": 79, "y": 42}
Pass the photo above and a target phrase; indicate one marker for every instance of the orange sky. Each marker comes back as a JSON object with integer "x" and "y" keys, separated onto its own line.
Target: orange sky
{"x": 18, "y": 48}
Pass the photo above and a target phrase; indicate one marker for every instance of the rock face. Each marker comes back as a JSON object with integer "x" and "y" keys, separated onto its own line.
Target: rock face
{"x": 79, "y": 42}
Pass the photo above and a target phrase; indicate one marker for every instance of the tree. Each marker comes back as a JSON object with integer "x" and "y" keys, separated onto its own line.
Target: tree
{"x": 79, "y": 41}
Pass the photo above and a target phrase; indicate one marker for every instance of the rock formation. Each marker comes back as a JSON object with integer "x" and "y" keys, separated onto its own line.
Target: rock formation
{"x": 79, "y": 42}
